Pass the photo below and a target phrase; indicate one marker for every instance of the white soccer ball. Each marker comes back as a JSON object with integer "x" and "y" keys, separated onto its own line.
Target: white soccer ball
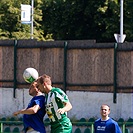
{"x": 30, "y": 74}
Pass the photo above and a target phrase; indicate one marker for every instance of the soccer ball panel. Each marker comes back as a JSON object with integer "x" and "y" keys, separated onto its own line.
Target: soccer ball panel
{"x": 30, "y": 75}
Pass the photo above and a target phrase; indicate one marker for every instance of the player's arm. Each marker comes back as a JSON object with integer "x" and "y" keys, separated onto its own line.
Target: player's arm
{"x": 67, "y": 107}
{"x": 29, "y": 111}
{"x": 117, "y": 128}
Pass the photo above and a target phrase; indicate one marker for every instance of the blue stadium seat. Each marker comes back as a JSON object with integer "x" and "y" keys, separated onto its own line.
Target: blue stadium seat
{"x": 87, "y": 130}
{"x": 129, "y": 122}
{"x": 16, "y": 130}
{"x": 7, "y": 130}
{"x": 3, "y": 119}
{"x": 12, "y": 119}
{"x": 77, "y": 130}
{"x": 120, "y": 121}
{"x": 82, "y": 122}
{"x": 91, "y": 120}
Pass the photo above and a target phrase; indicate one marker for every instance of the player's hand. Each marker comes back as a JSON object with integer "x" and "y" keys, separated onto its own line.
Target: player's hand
{"x": 16, "y": 113}
{"x": 61, "y": 111}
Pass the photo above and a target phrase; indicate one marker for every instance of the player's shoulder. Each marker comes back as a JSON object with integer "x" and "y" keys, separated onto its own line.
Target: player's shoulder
{"x": 54, "y": 89}
{"x": 97, "y": 120}
{"x": 112, "y": 121}
{"x": 40, "y": 97}
{"x": 58, "y": 92}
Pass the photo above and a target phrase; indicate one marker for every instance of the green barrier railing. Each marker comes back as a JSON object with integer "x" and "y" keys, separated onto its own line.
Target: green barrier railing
{"x": 2, "y": 123}
{"x": 123, "y": 125}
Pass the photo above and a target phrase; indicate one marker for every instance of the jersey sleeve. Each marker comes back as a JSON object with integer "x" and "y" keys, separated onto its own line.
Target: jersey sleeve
{"x": 116, "y": 128}
{"x": 62, "y": 95}
{"x": 40, "y": 101}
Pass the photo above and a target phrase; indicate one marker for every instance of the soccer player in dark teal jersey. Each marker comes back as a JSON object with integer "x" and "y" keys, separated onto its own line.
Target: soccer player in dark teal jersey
{"x": 105, "y": 124}
{"x": 34, "y": 113}
{"x": 57, "y": 105}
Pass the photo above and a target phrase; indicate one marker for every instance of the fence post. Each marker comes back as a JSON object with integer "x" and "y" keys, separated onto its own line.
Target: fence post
{"x": 15, "y": 68}
{"x": 115, "y": 73}
{"x": 123, "y": 128}
{"x": 65, "y": 65}
{"x": 92, "y": 128}
{"x": 1, "y": 127}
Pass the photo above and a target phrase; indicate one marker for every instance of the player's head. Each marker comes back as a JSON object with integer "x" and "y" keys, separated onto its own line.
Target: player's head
{"x": 105, "y": 110}
{"x": 33, "y": 90}
{"x": 43, "y": 83}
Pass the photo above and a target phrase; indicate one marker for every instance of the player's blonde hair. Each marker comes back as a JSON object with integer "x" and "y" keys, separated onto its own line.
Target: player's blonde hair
{"x": 45, "y": 78}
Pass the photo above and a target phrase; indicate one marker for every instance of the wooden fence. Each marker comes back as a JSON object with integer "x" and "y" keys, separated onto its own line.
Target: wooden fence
{"x": 82, "y": 65}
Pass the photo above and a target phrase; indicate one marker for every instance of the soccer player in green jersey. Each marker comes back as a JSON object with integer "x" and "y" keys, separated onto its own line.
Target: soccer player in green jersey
{"x": 57, "y": 105}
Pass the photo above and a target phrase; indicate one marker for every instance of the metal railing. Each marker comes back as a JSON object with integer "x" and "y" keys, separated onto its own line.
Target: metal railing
{"x": 123, "y": 125}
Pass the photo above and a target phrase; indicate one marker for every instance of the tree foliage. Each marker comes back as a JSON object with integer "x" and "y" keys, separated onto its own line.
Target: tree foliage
{"x": 10, "y": 20}
{"x": 80, "y": 19}
{"x": 67, "y": 20}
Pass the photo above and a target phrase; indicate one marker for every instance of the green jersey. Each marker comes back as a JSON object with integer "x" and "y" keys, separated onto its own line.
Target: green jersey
{"x": 54, "y": 100}
{"x": 60, "y": 123}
